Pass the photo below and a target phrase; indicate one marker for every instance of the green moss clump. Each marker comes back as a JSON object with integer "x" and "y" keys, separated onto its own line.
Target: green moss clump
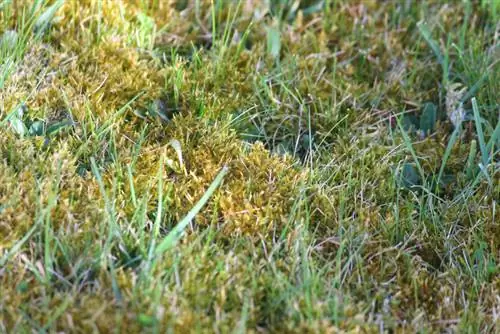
{"x": 257, "y": 195}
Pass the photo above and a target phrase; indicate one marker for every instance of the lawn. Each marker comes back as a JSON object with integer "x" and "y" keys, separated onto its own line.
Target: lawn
{"x": 260, "y": 166}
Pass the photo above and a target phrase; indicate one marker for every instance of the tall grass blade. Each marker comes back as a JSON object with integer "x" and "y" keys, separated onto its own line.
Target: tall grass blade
{"x": 171, "y": 239}
{"x": 426, "y": 34}
{"x": 410, "y": 148}
{"x": 480, "y": 134}
{"x": 453, "y": 139}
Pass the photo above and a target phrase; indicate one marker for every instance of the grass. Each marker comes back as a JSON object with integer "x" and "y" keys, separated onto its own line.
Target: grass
{"x": 249, "y": 166}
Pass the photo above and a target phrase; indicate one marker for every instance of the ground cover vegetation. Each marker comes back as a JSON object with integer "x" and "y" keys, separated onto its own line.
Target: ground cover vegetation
{"x": 249, "y": 166}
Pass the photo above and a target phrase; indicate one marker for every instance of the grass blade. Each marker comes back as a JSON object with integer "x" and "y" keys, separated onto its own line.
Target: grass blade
{"x": 47, "y": 16}
{"x": 18, "y": 245}
{"x": 490, "y": 147}
{"x": 409, "y": 146}
{"x": 426, "y": 34}
{"x": 480, "y": 134}
{"x": 170, "y": 240}
{"x": 470, "y": 160}
{"x": 453, "y": 139}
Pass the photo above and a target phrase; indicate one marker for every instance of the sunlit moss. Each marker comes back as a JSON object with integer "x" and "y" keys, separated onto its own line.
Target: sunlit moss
{"x": 258, "y": 192}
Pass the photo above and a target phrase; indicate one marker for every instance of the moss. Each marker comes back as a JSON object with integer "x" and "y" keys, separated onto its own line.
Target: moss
{"x": 257, "y": 194}
{"x": 78, "y": 200}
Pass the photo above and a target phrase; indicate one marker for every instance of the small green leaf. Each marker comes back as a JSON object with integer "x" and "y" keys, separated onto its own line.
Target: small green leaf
{"x": 37, "y": 128}
{"x": 305, "y": 141}
{"x": 428, "y": 118}
{"x": 409, "y": 176}
{"x": 18, "y": 126}
{"x": 22, "y": 287}
{"x": 82, "y": 169}
{"x": 180, "y": 5}
{"x": 409, "y": 122}
{"x": 146, "y": 320}
{"x": 492, "y": 268}
{"x": 56, "y": 127}
{"x": 273, "y": 42}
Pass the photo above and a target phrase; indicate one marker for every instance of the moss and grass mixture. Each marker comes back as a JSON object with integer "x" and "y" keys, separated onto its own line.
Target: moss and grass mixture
{"x": 260, "y": 166}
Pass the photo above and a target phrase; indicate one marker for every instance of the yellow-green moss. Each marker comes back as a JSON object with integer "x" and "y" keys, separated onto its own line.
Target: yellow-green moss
{"x": 256, "y": 195}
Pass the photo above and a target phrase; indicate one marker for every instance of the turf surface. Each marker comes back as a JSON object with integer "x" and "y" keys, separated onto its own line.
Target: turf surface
{"x": 249, "y": 166}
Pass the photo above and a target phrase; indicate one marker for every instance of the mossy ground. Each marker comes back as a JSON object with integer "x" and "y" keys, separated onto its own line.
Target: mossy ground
{"x": 340, "y": 210}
